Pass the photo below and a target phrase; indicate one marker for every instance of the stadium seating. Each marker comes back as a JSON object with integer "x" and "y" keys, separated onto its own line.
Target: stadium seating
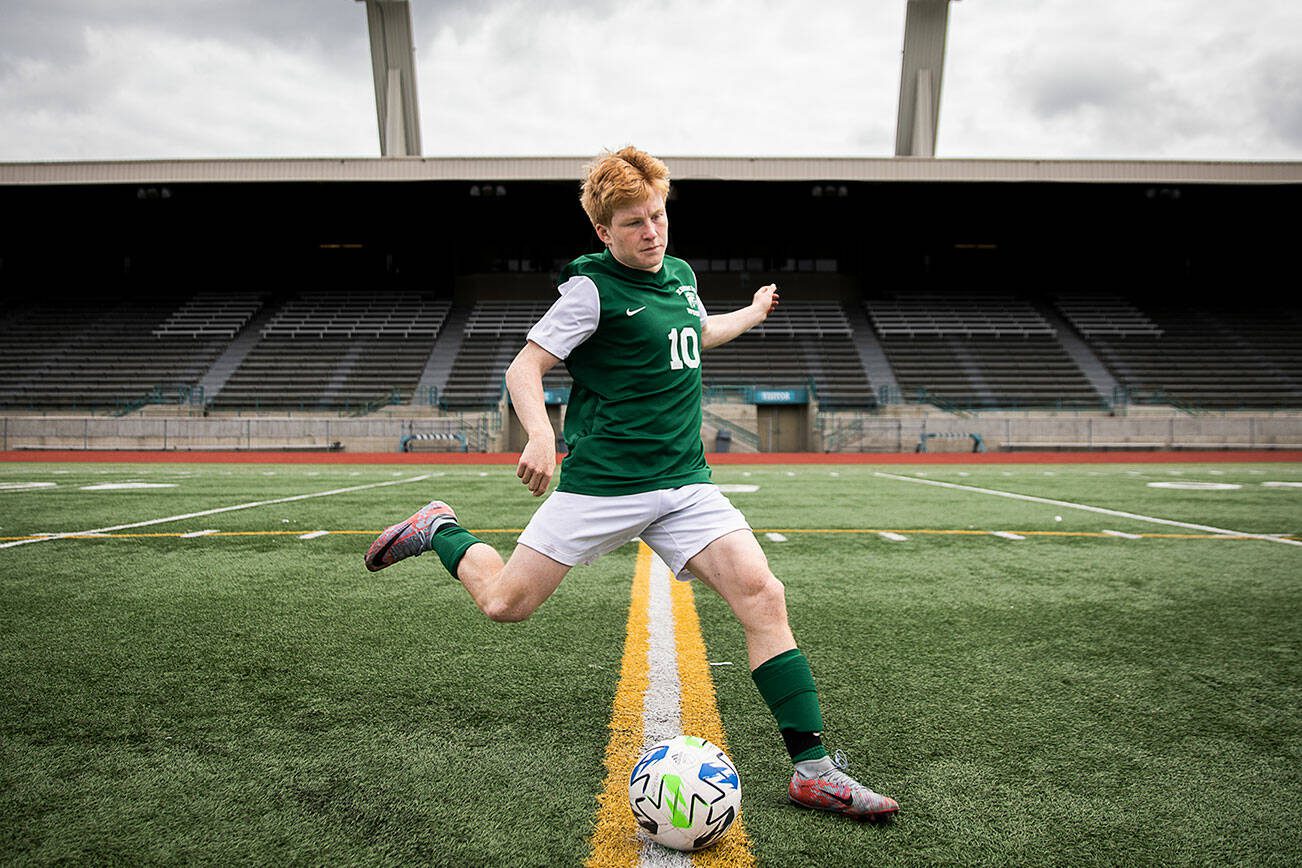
{"x": 318, "y": 349}
{"x": 325, "y": 314}
{"x": 102, "y": 355}
{"x": 494, "y": 333}
{"x": 1210, "y": 356}
{"x": 210, "y": 314}
{"x": 1104, "y": 315}
{"x": 988, "y": 372}
{"x": 338, "y": 350}
{"x": 970, "y": 314}
{"x": 976, "y": 350}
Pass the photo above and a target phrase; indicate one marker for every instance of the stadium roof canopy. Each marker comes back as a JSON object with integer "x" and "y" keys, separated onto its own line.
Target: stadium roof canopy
{"x": 886, "y": 169}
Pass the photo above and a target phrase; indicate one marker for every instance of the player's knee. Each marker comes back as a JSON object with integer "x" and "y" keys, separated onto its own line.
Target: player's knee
{"x": 506, "y": 610}
{"x": 767, "y": 595}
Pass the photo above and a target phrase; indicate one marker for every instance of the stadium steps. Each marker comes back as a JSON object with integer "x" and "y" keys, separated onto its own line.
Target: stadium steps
{"x": 342, "y": 373}
{"x": 871, "y": 355}
{"x": 971, "y": 369}
{"x": 216, "y": 377}
{"x": 1089, "y": 363}
{"x": 438, "y": 367}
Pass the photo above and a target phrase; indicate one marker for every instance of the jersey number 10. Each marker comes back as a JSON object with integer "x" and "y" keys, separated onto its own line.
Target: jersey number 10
{"x": 684, "y": 349}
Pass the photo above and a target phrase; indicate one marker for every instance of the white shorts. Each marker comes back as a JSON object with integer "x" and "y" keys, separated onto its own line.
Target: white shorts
{"x": 677, "y": 523}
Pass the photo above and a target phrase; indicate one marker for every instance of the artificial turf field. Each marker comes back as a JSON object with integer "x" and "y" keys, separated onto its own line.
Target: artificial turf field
{"x": 249, "y": 696}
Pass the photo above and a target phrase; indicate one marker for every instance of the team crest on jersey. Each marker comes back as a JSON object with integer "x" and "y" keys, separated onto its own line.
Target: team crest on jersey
{"x": 690, "y": 292}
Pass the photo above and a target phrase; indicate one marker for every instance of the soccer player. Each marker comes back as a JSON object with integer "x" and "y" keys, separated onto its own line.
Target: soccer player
{"x": 631, "y": 328}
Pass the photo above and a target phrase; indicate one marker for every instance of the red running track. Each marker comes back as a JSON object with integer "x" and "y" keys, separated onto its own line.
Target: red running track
{"x": 716, "y": 458}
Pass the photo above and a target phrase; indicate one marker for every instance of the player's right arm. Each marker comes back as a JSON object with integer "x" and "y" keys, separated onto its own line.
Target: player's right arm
{"x": 524, "y": 380}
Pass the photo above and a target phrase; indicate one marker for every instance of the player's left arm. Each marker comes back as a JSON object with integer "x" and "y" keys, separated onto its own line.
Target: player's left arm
{"x": 721, "y": 328}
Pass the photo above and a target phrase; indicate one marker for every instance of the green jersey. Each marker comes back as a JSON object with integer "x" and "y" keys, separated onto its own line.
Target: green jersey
{"x": 634, "y": 418}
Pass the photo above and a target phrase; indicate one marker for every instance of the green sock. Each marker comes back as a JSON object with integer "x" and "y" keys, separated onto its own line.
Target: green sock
{"x": 787, "y": 686}
{"x": 450, "y": 543}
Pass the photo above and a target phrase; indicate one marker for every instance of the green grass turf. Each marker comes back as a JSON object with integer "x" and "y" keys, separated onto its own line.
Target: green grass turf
{"x": 264, "y": 699}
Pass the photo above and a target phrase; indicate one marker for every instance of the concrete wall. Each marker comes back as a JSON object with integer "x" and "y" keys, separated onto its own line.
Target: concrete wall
{"x": 849, "y": 433}
{"x": 834, "y": 432}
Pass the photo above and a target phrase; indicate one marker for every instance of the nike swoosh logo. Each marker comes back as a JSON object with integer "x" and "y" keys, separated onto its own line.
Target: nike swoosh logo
{"x": 840, "y": 798}
{"x": 631, "y": 312}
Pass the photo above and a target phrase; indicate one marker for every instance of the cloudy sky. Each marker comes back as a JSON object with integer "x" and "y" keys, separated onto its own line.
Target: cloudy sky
{"x": 1161, "y": 79}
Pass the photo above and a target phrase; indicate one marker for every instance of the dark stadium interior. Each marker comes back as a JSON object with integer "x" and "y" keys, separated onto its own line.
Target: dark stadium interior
{"x": 1162, "y": 241}
{"x": 1198, "y": 262}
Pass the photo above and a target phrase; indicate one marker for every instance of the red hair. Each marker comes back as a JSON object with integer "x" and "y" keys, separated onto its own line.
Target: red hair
{"x": 619, "y": 178}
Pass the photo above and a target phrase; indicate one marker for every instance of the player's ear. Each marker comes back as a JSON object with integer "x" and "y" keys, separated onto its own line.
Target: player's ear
{"x": 603, "y": 233}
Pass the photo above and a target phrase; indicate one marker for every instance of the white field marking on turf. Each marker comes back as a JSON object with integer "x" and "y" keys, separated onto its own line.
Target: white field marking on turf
{"x": 27, "y": 486}
{"x": 199, "y": 533}
{"x": 126, "y": 486}
{"x": 661, "y": 718}
{"x": 1004, "y": 534}
{"x": 1122, "y": 534}
{"x": 893, "y": 537}
{"x": 219, "y": 509}
{"x": 314, "y": 534}
{"x": 1196, "y": 486}
{"x": 1087, "y": 508}
{"x": 775, "y": 537}
{"x": 1281, "y": 485}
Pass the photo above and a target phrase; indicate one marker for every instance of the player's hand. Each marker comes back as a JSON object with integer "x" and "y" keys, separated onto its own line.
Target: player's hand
{"x": 765, "y": 300}
{"x": 537, "y": 466}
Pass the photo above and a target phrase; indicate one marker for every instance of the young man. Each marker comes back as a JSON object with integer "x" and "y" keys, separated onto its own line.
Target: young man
{"x": 630, "y": 328}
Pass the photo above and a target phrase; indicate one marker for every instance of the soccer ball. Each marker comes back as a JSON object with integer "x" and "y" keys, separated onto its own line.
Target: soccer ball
{"x": 684, "y": 792}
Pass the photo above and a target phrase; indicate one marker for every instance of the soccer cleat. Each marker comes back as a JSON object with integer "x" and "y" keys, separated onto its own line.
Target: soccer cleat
{"x": 409, "y": 538}
{"x": 825, "y": 785}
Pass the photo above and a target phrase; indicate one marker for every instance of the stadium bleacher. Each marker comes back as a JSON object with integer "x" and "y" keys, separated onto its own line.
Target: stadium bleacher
{"x": 494, "y": 333}
{"x": 323, "y": 350}
{"x": 976, "y": 350}
{"x": 326, "y": 349}
{"x": 1210, "y": 356}
{"x": 210, "y": 314}
{"x": 97, "y": 355}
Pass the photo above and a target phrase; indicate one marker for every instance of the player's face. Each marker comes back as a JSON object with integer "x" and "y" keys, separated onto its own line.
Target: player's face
{"x": 637, "y": 234}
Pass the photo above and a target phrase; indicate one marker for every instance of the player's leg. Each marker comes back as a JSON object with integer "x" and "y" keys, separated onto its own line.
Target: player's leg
{"x": 567, "y": 529}
{"x": 504, "y": 592}
{"x": 736, "y": 568}
{"x": 512, "y": 591}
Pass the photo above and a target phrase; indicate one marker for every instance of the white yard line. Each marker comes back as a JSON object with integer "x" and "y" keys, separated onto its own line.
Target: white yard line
{"x": 893, "y": 537}
{"x": 314, "y": 534}
{"x": 219, "y": 509}
{"x": 1087, "y": 508}
{"x": 661, "y": 718}
{"x": 1004, "y": 534}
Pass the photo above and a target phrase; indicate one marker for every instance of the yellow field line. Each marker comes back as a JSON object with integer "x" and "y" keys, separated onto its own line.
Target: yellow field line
{"x": 614, "y": 840}
{"x": 699, "y": 712}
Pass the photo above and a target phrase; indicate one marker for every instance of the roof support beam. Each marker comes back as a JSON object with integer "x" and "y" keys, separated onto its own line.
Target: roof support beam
{"x": 925, "y": 26}
{"x": 394, "y": 66}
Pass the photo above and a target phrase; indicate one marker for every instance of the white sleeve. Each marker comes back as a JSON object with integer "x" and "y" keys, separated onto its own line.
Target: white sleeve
{"x": 571, "y": 320}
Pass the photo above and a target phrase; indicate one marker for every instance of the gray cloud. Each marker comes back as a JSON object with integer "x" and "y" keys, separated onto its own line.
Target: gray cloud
{"x": 1054, "y": 78}
{"x": 1280, "y": 97}
{"x": 1063, "y": 86}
